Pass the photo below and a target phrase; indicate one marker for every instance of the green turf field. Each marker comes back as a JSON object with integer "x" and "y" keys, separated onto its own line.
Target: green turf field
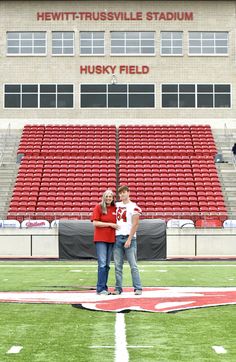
{"x": 49, "y": 332}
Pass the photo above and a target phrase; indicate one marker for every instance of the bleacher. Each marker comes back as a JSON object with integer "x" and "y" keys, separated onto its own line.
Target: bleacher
{"x": 166, "y": 140}
{"x": 68, "y": 140}
{"x": 65, "y": 169}
{"x": 172, "y": 170}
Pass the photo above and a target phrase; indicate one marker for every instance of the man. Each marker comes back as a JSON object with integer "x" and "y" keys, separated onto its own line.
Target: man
{"x": 127, "y": 215}
{"x": 234, "y": 149}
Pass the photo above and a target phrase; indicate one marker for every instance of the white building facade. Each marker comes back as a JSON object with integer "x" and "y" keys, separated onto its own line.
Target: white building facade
{"x": 118, "y": 62}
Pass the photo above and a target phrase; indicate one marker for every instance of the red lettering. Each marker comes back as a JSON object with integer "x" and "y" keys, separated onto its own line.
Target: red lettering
{"x": 105, "y": 69}
{"x": 149, "y": 15}
{"x": 188, "y": 16}
{"x": 162, "y": 16}
{"x": 139, "y": 15}
{"x": 122, "y": 69}
{"x": 83, "y": 69}
{"x": 103, "y": 16}
{"x": 47, "y": 16}
{"x": 118, "y": 16}
{"x": 99, "y": 69}
{"x": 145, "y": 69}
{"x": 132, "y": 69}
{"x": 81, "y": 16}
{"x": 40, "y": 16}
{"x": 57, "y": 16}
{"x": 169, "y": 16}
{"x": 152, "y": 16}
{"x": 113, "y": 68}
{"x": 88, "y": 16}
{"x": 110, "y": 16}
{"x": 29, "y": 223}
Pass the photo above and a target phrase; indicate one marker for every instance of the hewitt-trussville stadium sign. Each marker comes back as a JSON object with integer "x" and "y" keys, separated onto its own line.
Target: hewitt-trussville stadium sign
{"x": 114, "y": 16}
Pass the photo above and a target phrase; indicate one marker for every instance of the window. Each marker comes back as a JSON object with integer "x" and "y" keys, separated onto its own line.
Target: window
{"x": 208, "y": 43}
{"x": 117, "y": 96}
{"x": 132, "y": 43}
{"x": 196, "y": 96}
{"x": 213, "y": 95}
{"x": 178, "y": 95}
{"x": 62, "y": 43}
{"x": 38, "y": 96}
{"x": 171, "y": 43}
{"x": 92, "y": 43}
{"x": 26, "y": 43}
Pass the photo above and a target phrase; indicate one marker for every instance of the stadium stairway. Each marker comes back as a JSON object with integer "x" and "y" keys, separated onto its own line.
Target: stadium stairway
{"x": 224, "y": 139}
{"x": 9, "y": 141}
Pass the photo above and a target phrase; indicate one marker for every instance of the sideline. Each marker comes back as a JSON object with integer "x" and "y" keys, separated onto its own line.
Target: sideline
{"x": 125, "y": 265}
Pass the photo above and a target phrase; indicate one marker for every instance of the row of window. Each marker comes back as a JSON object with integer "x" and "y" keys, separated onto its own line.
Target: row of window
{"x": 117, "y": 96}
{"x": 121, "y": 43}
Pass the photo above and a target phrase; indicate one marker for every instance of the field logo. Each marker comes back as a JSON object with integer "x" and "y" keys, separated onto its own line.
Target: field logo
{"x": 153, "y": 299}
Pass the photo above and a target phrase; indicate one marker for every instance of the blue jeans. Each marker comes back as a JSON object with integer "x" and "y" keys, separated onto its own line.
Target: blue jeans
{"x": 104, "y": 253}
{"x": 131, "y": 254}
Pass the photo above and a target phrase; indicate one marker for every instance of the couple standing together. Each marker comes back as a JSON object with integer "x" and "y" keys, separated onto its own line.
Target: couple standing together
{"x": 115, "y": 230}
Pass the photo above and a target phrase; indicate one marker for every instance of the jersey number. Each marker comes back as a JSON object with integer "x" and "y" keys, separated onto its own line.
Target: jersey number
{"x": 121, "y": 214}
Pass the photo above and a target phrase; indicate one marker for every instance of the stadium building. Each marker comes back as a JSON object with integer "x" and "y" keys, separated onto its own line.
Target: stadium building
{"x": 106, "y": 61}
{"x": 132, "y": 72}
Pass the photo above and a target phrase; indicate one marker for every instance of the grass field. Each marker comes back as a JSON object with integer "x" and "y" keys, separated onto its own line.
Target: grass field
{"x": 53, "y": 332}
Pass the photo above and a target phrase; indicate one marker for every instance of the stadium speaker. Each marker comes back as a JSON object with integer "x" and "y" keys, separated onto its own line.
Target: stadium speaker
{"x": 218, "y": 158}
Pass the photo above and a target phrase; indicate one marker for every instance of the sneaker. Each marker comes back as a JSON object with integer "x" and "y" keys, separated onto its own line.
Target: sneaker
{"x": 117, "y": 292}
{"x": 104, "y": 292}
{"x": 138, "y": 292}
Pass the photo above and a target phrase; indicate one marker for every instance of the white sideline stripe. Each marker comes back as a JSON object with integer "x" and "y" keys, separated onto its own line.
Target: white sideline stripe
{"x": 48, "y": 266}
{"x": 102, "y": 347}
{"x": 15, "y": 349}
{"x": 219, "y": 349}
{"x": 140, "y": 347}
{"x": 125, "y": 265}
{"x": 121, "y": 352}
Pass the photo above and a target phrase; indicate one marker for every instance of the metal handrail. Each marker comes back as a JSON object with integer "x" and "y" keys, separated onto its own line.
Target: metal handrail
{"x": 228, "y": 136}
{"x": 86, "y": 215}
{"x": 5, "y": 139}
{"x": 233, "y": 159}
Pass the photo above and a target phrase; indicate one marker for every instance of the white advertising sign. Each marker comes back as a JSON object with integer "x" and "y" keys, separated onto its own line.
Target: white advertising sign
{"x": 35, "y": 224}
{"x": 9, "y": 224}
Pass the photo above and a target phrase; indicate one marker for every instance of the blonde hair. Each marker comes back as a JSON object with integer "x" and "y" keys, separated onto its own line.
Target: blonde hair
{"x": 103, "y": 202}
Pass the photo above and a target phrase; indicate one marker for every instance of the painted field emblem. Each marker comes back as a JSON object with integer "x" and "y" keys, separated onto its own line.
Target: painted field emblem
{"x": 153, "y": 299}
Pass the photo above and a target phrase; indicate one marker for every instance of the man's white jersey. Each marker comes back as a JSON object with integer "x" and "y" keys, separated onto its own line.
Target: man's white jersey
{"x": 124, "y": 213}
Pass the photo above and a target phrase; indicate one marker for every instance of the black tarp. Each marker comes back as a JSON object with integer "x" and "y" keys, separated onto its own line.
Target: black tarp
{"x": 76, "y": 239}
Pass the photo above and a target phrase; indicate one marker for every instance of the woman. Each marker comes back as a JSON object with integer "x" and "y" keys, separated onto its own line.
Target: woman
{"x": 104, "y": 220}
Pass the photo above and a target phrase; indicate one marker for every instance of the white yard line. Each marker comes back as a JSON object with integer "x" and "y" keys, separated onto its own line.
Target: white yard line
{"x": 14, "y": 349}
{"x": 219, "y": 349}
{"x": 121, "y": 351}
{"x": 121, "y": 347}
{"x": 125, "y": 265}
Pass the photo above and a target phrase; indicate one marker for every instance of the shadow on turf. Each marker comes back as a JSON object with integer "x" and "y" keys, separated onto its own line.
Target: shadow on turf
{"x": 80, "y": 306}
{"x": 75, "y": 287}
